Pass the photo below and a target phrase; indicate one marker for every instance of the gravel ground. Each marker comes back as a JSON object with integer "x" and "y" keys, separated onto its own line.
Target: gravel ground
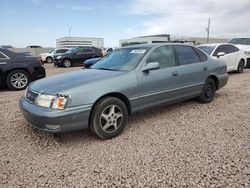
{"x": 182, "y": 145}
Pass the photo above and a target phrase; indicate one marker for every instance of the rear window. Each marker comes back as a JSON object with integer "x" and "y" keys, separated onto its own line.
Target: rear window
{"x": 207, "y": 49}
{"x": 202, "y": 56}
{"x": 186, "y": 55}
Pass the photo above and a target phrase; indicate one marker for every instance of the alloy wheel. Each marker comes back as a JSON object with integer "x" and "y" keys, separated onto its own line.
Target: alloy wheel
{"x": 111, "y": 118}
{"x": 19, "y": 80}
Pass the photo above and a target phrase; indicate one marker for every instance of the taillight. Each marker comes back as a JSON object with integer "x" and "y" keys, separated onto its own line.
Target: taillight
{"x": 39, "y": 60}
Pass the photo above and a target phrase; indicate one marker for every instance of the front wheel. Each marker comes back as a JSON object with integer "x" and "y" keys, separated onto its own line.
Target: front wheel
{"x": 240, "y": 67}
{"x": 66, "y": 63}
{"x": 208, "y": 91}
{"x": 109, "y": 117}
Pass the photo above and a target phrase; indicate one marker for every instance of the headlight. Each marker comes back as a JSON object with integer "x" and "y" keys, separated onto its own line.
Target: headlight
{"x": 50, "y": 101}
{"x": 247, "y": 52}
{"x": 59, "y": 57}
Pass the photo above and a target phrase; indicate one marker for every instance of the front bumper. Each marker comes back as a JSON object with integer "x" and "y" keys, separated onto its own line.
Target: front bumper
{"x": 71, "y": 119}
{"x": 57, "y": 62}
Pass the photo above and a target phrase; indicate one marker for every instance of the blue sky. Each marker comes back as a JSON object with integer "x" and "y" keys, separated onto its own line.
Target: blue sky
{"x": 27, "y": 22}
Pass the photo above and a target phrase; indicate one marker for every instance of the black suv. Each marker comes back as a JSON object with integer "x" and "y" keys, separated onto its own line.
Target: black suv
{"x": 77, "y": 56}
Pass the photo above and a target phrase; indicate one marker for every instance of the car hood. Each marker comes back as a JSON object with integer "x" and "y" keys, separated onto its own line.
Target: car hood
{"x": 63, "y": 82}
{"x": 43, "y": 54}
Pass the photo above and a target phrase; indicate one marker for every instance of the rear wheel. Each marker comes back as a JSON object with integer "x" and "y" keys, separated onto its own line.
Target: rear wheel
{"x": 109, "y": 117}
{"x": 49, "y": 60}
{"x": 240, "y": 67}
{"x": 208, "y": 91}
{"x": 18, "y": 80}
{"x": 66, "y": 63}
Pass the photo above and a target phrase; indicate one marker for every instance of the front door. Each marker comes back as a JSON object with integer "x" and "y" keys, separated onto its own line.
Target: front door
{"x": 157, "y": 86}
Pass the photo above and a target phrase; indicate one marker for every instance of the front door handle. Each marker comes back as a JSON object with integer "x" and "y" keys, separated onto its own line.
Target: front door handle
{"x": 174, "y": 73}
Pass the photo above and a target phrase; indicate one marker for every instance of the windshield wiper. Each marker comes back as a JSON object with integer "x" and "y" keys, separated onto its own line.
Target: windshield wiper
{"x": 102, "y": 68}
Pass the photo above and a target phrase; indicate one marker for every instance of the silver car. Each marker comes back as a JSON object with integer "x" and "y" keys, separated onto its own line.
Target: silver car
{"x": 126, "y": 81}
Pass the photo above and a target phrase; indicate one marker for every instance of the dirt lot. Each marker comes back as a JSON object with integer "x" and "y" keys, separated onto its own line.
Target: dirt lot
{"x": 182, "y": 145}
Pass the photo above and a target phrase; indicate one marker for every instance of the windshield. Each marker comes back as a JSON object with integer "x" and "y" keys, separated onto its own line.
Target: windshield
{"x": 51, "y": 51}
{"x": 207, "y": 49}
{"x": 125, "y": 59}
{"x": 244, "y": 41}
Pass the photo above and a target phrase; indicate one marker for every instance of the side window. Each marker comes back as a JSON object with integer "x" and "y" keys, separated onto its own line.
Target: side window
{"x": 221, "y": 48}
{"x": 164, "y": 55}
{"x": 231, "y": 49}
{"x": 64, "y": 50}
{"x": 88, "y": 50}
{"x": 186, "y": 55}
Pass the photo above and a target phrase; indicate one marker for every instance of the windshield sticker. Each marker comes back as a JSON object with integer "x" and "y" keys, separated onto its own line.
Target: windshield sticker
{"x": 138, "y": 51}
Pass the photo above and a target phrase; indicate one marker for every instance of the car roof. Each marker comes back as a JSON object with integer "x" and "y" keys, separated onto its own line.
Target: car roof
{"x": 11, "y": 54}
{"x": 215, "y": 44}
{"x": 153, "y": 45}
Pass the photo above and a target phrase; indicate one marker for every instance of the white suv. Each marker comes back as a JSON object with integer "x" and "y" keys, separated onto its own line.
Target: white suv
{"x": 48, "y": 57}
{"x": 243, "y": 44}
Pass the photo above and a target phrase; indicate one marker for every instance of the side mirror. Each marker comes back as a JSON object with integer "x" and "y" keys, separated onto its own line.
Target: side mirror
{"x": 220, "y": 54}
{"x": 151, "y": 66}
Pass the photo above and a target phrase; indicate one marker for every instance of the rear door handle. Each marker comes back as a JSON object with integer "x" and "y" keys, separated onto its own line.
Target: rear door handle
{"x": 174, "y": 73}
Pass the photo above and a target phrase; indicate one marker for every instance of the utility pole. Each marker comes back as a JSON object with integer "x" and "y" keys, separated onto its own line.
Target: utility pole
{"x": 70, "y": 31}
{"x": 208, "y": 30}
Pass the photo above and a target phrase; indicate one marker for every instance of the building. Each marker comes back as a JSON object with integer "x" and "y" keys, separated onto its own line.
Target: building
{"x": 70, "y": 42}
{"x": 199, "y": 40}
{"x": 162, "y": 38}
{"x": 145, "y": 40}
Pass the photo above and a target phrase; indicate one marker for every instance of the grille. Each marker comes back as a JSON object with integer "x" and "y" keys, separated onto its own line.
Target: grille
{"x": 31, "y": 96}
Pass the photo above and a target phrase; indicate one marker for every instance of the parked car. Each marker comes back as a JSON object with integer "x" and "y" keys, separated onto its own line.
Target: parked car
{"x": 235, "y": 58}
{"x": 88, "y": 63}
{"x": 126, "y": 81}
{"x": 34, "y": 46}
{"x": 107, "y": 50}
{"x": 243, "y": 44}
{"x": 18, "y": 70}
{"x": 48, "y": 57}
{"x": 77, "y": 56}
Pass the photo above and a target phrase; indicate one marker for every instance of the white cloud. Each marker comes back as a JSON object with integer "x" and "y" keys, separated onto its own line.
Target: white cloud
{"x": 75, "y": 7}
{"x": 183, "y": 17}
{"x": 82, "y": 8}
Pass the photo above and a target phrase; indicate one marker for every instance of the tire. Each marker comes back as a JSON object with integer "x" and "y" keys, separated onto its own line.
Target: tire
{"x": 108, "y": 118}
{"x": 18, "y": 79}
{"x": 208, "y": 91}
{"x": 67, "y": 63}
{"x": 49, "y": 60}
{"x": 240, "y": 67}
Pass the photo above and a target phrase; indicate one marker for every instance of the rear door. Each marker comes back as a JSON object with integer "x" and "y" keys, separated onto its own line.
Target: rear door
{"x": 83, "y": 54}
{"x": 4, "y": 59}
{"x": 192, "y": 70}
